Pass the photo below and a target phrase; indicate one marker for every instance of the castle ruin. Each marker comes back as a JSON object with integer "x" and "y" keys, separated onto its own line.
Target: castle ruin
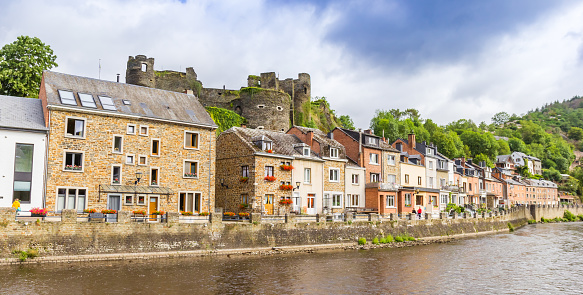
{"x": 266, "y": 102}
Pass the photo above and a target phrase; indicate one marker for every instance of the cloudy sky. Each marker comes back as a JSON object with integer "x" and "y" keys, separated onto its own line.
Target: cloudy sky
{"x": 448, "y": 59}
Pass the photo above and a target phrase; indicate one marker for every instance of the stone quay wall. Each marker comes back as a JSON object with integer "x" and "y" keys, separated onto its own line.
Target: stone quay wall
{"x": 72, "y": 237}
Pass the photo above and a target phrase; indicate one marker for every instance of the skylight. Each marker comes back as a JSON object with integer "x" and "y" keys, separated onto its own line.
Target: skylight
{"x": 67, "y": 97}
{"x": 87, "y": 100}
{"x": 107, "y": 103}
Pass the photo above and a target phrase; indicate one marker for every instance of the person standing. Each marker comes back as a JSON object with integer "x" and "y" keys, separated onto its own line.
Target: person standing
{"x": 16, "y": 205}
{"x": 419, "y": 213}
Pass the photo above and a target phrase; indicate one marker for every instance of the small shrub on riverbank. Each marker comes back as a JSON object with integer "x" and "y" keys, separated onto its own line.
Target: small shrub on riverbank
{"x": 410, "y": 238}
{"x": 383, "y": 240}
{"x": 510, "y": 227}
{"x": 399, "y": 239}
{"x": 532, "y": 221}
{"x": 580, "y": 217}
{"x": 23, "y": 255}
{"x": 361, "y": 241}
{"x": 569, "y": 216}
{"x": 557, "y": 219}
{"x": 390, "y": 239}
{"x": 375, "y": 241}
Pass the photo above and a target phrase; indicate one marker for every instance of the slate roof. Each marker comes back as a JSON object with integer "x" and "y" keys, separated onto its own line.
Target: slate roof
{"x": 282, "y": 143}
{"x": 144, "y": 101}
{"x": 21, "y": 113}
{"x": 356, "y": 136}
{"x": 320, "y": 136}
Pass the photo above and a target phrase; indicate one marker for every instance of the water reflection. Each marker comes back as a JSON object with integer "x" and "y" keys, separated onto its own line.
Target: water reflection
{"x": 536, "y": 259}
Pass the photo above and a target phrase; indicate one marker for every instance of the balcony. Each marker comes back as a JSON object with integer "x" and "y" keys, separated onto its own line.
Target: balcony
{"x": 383, "y": 186}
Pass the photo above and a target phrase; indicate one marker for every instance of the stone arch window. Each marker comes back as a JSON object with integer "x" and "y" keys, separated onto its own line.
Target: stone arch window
{"x": 305, "y": 90}
{"x": 261, "y": 106}
{"x": 279, "y": 108}
{"x": 260, "y": 127}
{"x": 144, "y": 67}
{"x": 282, "y": 130}
{"x": 238, "y": 110}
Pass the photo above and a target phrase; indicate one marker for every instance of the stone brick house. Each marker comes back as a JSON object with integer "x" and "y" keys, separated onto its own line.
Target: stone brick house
{"x": 126, "y": 147}
{"x": 260, "y": 168}
{"x": 23, "y": 148}
{"x": 382, "y": 165}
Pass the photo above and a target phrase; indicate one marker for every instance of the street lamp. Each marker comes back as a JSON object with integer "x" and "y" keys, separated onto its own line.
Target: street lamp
{"x": 138, "y": 177}
{"x": 297, "y": 185}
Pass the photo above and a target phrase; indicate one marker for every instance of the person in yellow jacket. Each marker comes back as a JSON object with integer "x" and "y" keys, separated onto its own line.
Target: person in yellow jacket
{"x": 16, "y": 205}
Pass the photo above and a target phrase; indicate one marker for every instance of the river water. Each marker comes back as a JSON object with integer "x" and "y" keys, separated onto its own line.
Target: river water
{"x": 536, "y": 259}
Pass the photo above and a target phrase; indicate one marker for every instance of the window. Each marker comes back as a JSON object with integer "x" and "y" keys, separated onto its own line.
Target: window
{"x": 372, "y": 140}
{"x": 307, "y": 175}
{"x": 336, "y": 200}
{"x": 144, "y": 67}
{"x": 130, "y": 159}
{"x": 443, "y": 199}
{"x": 245, "y": 171}
{"x": 333, "y": 153}
{"x": 142, "y": 160}
{"x": 430, "y": 184}
{"x": 419, "y": 180}
{"x": 355, "y": 179}
{"x": 189, "y": 202}
{"x": 434, "y": 201}
{"x": 114, "y": 202}
{"x": 23, "y": 172}
{"x": 442, "y": 182}
{"x": 118, "y": 144}
{"x": 190, "y": 140}
{"x": 87, "y": 100}
{"x": 190, "y": 169}
{"x": 266, "y": 145}
{"x": 470, "y": 186}
{"x": 107, "y": 103}
{"x": 71, "y": 198}
{"x": 374, "y": 177}
{"x": 390, "y": 201}
{"x": 407, "y": 178}
{"x": 408, "y": 200}
{"x": 419, "y": 200}
{"x": 334, "y": 175}
{"x": 131, "y": 129}
{"x": 155, "y": 147}
{"x": 391, "y": 159}
{"x": 244, "y": 199}
{"x": 306, "y": 151}
{"x": 126, "y": 102}
{"x": 73, "y": 161}
{"x": 353, "y": 200}
{"x": 430, "y": 165}
{"x": 374, "y": 159}
{"x": 268, "y": 170}
{"x": 391, "y": 178}
{"x": 429, "y": 151}
{"x": 67, "y": 97}
{"x": 128, "y": 200}
{"x": 144, "y": 130}
{"x": 154, "y": 176}
{"x": 75, "y": 128}
{"x": 116, "y": 174}
{"x": 141, "y": 200}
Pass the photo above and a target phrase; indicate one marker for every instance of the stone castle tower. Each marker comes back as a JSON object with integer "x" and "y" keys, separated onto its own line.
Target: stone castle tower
{"x": 266, "y": 102}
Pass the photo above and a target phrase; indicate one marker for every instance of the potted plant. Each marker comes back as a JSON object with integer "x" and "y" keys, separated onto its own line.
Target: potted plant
{"x": 229, "y": 214}
{"x": 270, "y": 151}
{"x": 243, "y": 206}
{"x": 286, "y": 187}
{"x": 285, "y": 202}
{"x": 158, "y": 213}
{"x": 270, "y": 178}
{"x": 203, "y": 214}
{"x": 186, "y": 213}
{"x": 110, "y": 215}
{"x": 139, "y": 212}
{"x": 38, "y": 212}
{"x": 244, "y": 215}
{"x": 286, "y": 167}
{"x": 154, "y": 182}
{"x": 189, "y": 174}
{"x": 244, "y": 179}
{"x": 116, "y": 180}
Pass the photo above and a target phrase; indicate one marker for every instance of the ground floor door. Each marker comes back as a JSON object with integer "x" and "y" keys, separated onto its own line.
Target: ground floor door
{"x": 114, "y": 202}
{"x": 152, "y": 206}
{"x": 268, "y": 204}
{"x": 311, "y": 204}
{"x": 297, "y": 202}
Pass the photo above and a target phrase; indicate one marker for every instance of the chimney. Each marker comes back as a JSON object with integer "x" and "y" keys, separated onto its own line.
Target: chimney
{"x": 368, "y": 131}
{"x": 310, "y": 137}
{"x": 384, "y": 139}
{"x": 188, "y": 91}
{"x": 412, "y": 143}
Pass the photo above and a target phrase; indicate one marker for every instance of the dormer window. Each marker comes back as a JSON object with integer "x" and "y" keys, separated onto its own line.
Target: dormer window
{"x": 372, "y": 141}
{"x": 87, "y": 100}
{"x": 67, "y": 97}
{"x": 267, "y": 145}
{"x": 429, "y": 151}
{"x": 306, "y": 151}
{"x": 399, "y": 146}
{"x": 333, "y": 153}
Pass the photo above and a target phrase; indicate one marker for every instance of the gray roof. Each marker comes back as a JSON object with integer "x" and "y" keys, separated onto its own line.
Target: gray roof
{"x": 356, "y": 136}
{"x": 21, "y": 113}
{"x": 282, "y": 143}
{"x": 320, "y": 136}
{"x": 143, "y": 101}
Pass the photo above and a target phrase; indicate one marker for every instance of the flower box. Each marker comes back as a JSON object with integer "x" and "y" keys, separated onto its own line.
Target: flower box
{"x": 203, "y": 214}
{"x": 286, "y": 167}
{"x": 285, "y": 202}
{"x": 186, "y": 213}
{"x": 230, "y": 214}
{"x": 269, "y": 151}
{"x": 243, "y": 179}
{"x": 243, "y": 206}
{"x": 270, "y": 178}
{"x": 109, "y": 211}
{"x": 93, "y": 217}
{"x": 286, "y": 187}
{"x": 157, "y": 213}
{"x": 38, "y": 212}
{"x": 139, "y": 212}
{"x": 73, "y": 167}
{"x": 111, "y": 217}
{"x": 244, "y": 215}
{"x": 190, "y": 175}
{"x": 90, "y": 211}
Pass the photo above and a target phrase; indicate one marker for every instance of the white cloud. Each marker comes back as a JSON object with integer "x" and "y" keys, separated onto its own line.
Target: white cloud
{"x": 227, "y": 40}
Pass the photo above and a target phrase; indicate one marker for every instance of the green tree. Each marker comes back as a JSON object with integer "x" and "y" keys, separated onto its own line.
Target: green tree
{"x": 517, "y": 145}
{"x": 576, "y": 133}
{"x": 500, "y": 118}
{"x": 503, "y": 147}
{"x": 551, "y": 174}
{"x": 346, "y": 122}
{"x": 21, "y": 65}
{"x": 483, "y": 158}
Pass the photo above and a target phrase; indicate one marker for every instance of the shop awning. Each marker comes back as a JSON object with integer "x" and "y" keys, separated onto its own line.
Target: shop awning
{"x": 138, "y": 189}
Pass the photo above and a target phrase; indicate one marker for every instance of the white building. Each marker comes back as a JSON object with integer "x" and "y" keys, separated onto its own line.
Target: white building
{"x": 23, "y": 138}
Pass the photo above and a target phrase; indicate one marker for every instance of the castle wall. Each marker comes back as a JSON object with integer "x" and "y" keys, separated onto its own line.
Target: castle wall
{"x": 264, "y": 108}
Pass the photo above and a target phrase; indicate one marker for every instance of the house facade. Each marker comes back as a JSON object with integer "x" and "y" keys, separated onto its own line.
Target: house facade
{"x": 126, "y": 147}
{"x": 23, "y": 139}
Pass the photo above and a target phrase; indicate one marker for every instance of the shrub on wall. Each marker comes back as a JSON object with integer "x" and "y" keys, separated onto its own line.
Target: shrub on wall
{"x": 224, "y": 118}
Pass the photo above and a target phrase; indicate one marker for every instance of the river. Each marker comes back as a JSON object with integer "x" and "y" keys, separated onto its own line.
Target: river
{"x": 535, "y": 259}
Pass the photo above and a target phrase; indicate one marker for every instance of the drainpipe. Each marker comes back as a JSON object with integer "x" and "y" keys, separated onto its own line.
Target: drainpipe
{"x": 44, "y": 199}
{"x": 210, "y": 163}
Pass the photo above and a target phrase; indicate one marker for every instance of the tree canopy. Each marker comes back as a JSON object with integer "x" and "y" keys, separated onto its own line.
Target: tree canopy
{"x": 21, "y": 65}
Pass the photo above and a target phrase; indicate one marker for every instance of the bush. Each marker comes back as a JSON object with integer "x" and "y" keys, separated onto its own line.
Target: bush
{"x": 375, "y": 241}
{"x": 383, "y": 240}
{"x": 409, "y": 238}
{"x": 531, "y": 221}
{"x": 399, "y": 239}
{"x": 361, "y": 241}
{"x": 390, "y": 239}
{"x": 32, "y": 253}
{"x": 510, "y": 227}
{"x": 569, "y": 216}
{"x": 557, "y": 219}
{"x": 580, "y": 217}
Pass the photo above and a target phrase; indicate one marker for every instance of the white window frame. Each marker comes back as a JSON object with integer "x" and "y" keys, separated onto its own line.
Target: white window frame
{"x": 390, "y": 198}
{"x": 128, "y": 129}
{"x": 430, "y": 165}
{"x": 375, "y": 157}
{"x": 334, "y": 153}
{"x": 152, "y": 147}
{"x": 331, "y": 175}
{"x": 355, "y": 179}
{"x": 82, "y": 160}
{"x": 186, "y": 132}
{"x": 120, "y": 174}
{"x": 391, "y": 160}
{"x": 352, "y": 198}
{"x": 195, "y": 195}
{"x": 66, "y": 188}
{"x": 372, "y": 140}
{"x": 84, "y": 136}
{"x": 309, "y": 174}
{"x": 133, "y": 157}
{"x": 184, "y": 168}
{"x": 138, "y": 203}
{"x": 408, "y": 200}
{"x": 306, "y": 151}
{"x": 389, "y": 178}
{"x": 147, "y": 130}
{"x": 113, "y": 144}
{"x": 267, "y": 145}
{"x": 376, "y": 176}
{"x": 61, "y": 91}
{"x": 338, "y": 197}
{"x": 125, "y": 200}
{"x": 142, "y": 156}
{"x": 272, "y": 170}
{"x": 157, "y": 179}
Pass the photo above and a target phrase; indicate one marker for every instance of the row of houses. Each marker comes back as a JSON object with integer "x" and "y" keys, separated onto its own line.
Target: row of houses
{"x": 88, "y": 143}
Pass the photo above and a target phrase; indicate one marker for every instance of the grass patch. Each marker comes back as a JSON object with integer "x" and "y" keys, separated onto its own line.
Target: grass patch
{"x": 531, "y": 221}
{"x": 510, "y": 227}
{"x": 23, "y": 255}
